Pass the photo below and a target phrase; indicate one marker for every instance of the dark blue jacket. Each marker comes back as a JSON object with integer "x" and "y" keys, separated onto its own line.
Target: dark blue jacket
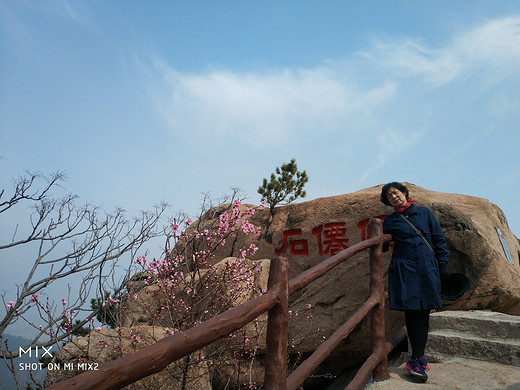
{"x": 413, "y": 275}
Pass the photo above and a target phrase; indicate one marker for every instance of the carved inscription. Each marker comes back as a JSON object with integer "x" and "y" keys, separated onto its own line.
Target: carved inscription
{"x": 329, "y": 237}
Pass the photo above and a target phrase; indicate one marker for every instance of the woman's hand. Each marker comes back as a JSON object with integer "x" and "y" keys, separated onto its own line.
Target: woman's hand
{"x": 444, "y": 272}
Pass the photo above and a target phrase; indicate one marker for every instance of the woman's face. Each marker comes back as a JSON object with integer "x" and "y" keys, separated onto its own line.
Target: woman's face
{"x": 396, "y": 197}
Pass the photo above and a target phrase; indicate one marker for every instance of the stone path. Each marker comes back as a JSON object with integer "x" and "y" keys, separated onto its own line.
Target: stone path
{"x": 455, "y": 374}
{"x": 456, "y": 340}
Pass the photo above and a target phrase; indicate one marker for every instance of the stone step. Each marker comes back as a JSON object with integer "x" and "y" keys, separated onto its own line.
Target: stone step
{"x": 481, "y": 335}
{"x": 451, "y": 343}
{"x": 483, "y": 323}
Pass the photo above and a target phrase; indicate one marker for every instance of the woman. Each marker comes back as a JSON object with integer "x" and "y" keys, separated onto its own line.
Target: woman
{"x": 416, "y": 269}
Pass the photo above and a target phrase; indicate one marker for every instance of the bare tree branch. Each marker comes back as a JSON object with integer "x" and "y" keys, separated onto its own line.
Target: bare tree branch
{"x": 24, "y": 188}
{"x": 69, "y": 239}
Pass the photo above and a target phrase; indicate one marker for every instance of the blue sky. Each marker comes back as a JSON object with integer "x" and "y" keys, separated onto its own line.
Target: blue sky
{"x": 140, "y": 102}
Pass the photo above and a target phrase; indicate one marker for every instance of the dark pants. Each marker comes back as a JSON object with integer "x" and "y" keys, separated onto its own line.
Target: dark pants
{"x": 417, "y": 325}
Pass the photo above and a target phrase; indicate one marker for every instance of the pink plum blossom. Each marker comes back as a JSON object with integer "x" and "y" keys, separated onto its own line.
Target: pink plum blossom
{"x": 252, "y": 249}
{"x": 34, "y": 298}
{"x": 110, "y": 302}
{"x": 135, "y": 337}
{"x": 224, "y": 223}
{"x": 141, "y": 260}
{"x": 175, "y": 228}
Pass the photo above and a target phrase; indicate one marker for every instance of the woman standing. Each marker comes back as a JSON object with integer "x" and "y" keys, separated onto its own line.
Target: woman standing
{"x": 418, "y": 264}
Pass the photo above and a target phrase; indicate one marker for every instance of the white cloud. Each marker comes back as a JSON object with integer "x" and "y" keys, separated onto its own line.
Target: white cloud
{"x": 288, "y": 102}
{"x": 280, "y": 103}
{"x": 413, "y": 59}
{"x": 387, "y": 147}
{"x": 368, "y": 110}
{"x": 493, "y": 45}
{"x": 398, "y": 140}
{"x": 77, "y": 13}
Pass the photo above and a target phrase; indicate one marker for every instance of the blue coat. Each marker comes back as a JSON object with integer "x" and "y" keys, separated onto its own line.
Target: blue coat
{"x": 413, "y": 275}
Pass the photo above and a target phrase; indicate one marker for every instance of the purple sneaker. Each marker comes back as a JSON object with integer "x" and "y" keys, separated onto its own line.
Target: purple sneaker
{"x": 416, "y": 369}
{"x": 424, "y": 363}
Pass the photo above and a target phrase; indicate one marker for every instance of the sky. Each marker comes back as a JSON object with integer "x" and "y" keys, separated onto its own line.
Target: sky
{"x": 144, "y": 101}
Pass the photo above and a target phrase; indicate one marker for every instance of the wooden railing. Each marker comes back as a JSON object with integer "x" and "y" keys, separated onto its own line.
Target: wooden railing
{"x": 153, "y": 359}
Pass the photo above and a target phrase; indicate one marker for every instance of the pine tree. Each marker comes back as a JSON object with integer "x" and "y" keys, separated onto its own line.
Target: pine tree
{"x": 286, "y": 186}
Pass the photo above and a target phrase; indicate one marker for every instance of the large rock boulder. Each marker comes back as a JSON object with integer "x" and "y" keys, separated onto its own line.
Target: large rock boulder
{"x": 309, "y": 232}
{"x": 148, "y": 302}
{"x": 481, "y": 244}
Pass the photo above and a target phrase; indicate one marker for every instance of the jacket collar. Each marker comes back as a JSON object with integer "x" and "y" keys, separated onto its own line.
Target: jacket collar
{"x": 412, "y": 209}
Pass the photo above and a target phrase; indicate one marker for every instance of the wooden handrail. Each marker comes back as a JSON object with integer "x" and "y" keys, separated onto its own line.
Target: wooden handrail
{"x": 277, "y": 328}
{"x": 298, "y": 376}
{"x": 375, "y": 304}
{"x": 306, "y": 277}
{"x": 152, "y": 359}
{"x": 377, "y": 362}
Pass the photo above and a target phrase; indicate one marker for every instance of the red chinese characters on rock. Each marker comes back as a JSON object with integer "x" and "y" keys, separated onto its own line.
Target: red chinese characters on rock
{"x": 298, "y": 247}
{"x": 330, "y": 237}
{"x": 334, "y": 238}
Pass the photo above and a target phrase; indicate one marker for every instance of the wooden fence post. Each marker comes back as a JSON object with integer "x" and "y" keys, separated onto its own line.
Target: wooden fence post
{"x": 277, "y": 327}
{"x": 380, "y": 372}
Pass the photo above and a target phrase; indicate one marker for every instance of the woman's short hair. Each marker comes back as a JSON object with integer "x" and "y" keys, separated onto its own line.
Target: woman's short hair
{"x": 397, "y": 186}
